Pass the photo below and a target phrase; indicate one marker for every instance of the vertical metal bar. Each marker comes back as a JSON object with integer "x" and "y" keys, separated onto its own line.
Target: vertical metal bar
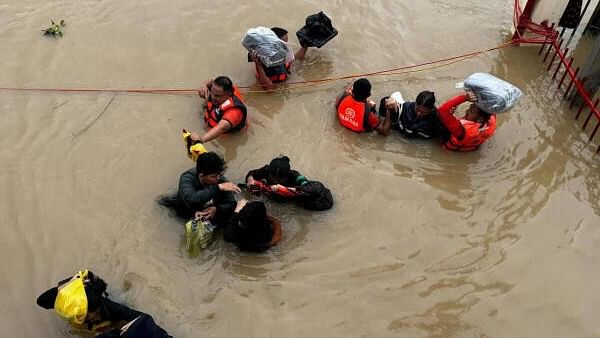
{"x": 569, "y": 87}
{"x": 579, "y": 111}
{"x": 545, "y": 40}
{"x": 549, "y": 47}
{"x": 562, "y": 31}
{"x": 559, "y": 64}
{"x": 591, "y": 112}
{"x": 566, "y": 72}
{"x": 587, "y": 4}
{"x": 594, "y": 132}
{"x": 555, "y": 52}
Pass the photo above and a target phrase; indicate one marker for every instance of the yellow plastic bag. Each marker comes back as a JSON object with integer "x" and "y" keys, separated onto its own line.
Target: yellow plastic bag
{"x": 193, "y": 148}
{"x": 71, "y": 301}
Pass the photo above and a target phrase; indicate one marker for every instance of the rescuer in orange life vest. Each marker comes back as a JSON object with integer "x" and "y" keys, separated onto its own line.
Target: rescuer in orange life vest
{"x": 267, "y": 76}
{"x": 357, "y": 113}
{"x": 225, "y": 109}
{"x": 470, "y": 131}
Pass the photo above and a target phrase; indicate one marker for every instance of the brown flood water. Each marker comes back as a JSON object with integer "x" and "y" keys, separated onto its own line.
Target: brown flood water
{"x": 502, "y": 242}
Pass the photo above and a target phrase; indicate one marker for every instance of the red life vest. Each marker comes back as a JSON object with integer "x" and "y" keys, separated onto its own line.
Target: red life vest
{"x": 213, "y": 115}
{"x": 276, "y": 73}
{"x": 353, "y": 114}
{"x": 475, "y": 135}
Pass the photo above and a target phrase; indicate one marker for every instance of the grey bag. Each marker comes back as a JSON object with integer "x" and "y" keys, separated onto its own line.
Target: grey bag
{"x": 494, "y": 95}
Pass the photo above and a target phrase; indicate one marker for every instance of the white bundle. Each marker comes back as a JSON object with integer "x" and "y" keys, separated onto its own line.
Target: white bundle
{"x": 271, "y": 50}
{"x": 494, "y": 95}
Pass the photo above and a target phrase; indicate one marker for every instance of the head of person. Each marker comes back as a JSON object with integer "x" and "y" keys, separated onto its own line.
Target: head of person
{"x": 425, "y": 103}
{"x": 475, "y": 114}
{"x": 279, "y": 168}
{"x": 210, "y": 167}
{"x": 281, "y": 33}
{"x": 253, "y": 215}
{"x": 221, "y": 88}
{"x": 361, "y": 89}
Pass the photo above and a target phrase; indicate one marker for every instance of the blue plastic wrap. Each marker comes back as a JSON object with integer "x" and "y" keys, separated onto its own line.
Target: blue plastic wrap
{"x": 494, "y": 95}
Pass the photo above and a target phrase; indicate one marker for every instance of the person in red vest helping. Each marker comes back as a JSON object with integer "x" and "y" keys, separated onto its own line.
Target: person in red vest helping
{"x": 225, "y": 109}
{"x": 357, "y": 113}
{"x": 470, "y": 131}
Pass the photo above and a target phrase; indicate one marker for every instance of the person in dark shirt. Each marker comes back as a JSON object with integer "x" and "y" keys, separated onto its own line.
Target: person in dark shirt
{"x": 277, "y": 179}
{"x": 417, "y": 119}
{"x": 204, "y": 192}
{"x": 101, "y": 311}
{"x": 141, "y": 327}
{"x": 251, "y": 229}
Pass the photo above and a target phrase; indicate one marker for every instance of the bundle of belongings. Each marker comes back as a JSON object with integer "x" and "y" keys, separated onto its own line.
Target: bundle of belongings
{"x": 271, "y": 50}
{"x": 493, "y": 94}
{"x": 317, "y": 31}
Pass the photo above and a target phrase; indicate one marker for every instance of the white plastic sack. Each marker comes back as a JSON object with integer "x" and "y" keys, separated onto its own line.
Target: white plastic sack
{"x": 494, "y": 95}
{"x": 271, "y": 50}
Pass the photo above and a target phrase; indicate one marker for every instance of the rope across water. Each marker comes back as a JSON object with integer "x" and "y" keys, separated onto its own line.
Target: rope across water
{"x": 284, "y": 87}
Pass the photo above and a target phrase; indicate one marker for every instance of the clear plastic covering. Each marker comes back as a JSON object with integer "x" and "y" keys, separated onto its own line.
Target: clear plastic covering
{"x": 271, "y": 50}
{"x": 494, "y": 95}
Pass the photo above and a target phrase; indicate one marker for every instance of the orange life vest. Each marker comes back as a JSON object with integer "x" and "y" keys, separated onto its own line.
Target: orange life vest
{"x": 475, "y": 135}
{"x": 353, "y": 114}
{"x": 213, "y": 114}
{"x": 277, "y": 73}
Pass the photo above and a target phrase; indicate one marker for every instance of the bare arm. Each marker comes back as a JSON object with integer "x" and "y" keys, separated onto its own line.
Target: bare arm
{"x": 222, "y": 127}
{"x": 385, "y": 127}
{"x": 301, "y": 53}
{"x": 204, "y": 90}
{"x": 347, "y": 91}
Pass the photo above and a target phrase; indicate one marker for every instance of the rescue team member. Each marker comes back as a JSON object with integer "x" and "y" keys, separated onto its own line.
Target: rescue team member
{"x": 141, "y": 327}
{"x": 472, "y": 130}
{"x": 267, "y": 76}
{"x": 251, "y": 229}
{"x": 225, "y": 109}
{"x": 82, "y": 301}
{"x": 279, "y": 182}
{"x": 204, "y": 192}
{"x": 417, "y": 119}
{"x": 357, "y": 113}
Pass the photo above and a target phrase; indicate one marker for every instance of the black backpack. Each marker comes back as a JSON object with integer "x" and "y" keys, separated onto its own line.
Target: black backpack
{"x": 317, "y": 31}
{"x": 318, "y": 25}
{"x": 315, "y": 196}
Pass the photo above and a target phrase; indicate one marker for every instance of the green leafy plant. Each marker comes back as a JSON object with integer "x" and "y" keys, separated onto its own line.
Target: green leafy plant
{"x": 55, "y": 28}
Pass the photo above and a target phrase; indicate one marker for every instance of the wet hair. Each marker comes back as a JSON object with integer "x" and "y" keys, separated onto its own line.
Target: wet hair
{"x": 210, "y": 163}
{"x": 280, "y": 32}
{"x": 361, "y": 89}
{"x": 225, "y": 83}
{"x": 426, "y": 99}
{"x": 279, "y": 167}
{"x": 253, "y": 214}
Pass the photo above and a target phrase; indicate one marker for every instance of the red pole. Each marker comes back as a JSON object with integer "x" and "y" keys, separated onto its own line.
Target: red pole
{"x": 524, "y": 18}
{"x": 559, "y": 64}
{"x": 545, "y": 40}
{"x": 571, "y": 84}
{"x": 555, "y": 52}
{"x": 565, "y": 74}
{"x": 590, "y": 114}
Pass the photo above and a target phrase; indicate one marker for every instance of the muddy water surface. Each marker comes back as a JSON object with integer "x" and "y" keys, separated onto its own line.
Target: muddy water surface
{"x": 502, "y": 242}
